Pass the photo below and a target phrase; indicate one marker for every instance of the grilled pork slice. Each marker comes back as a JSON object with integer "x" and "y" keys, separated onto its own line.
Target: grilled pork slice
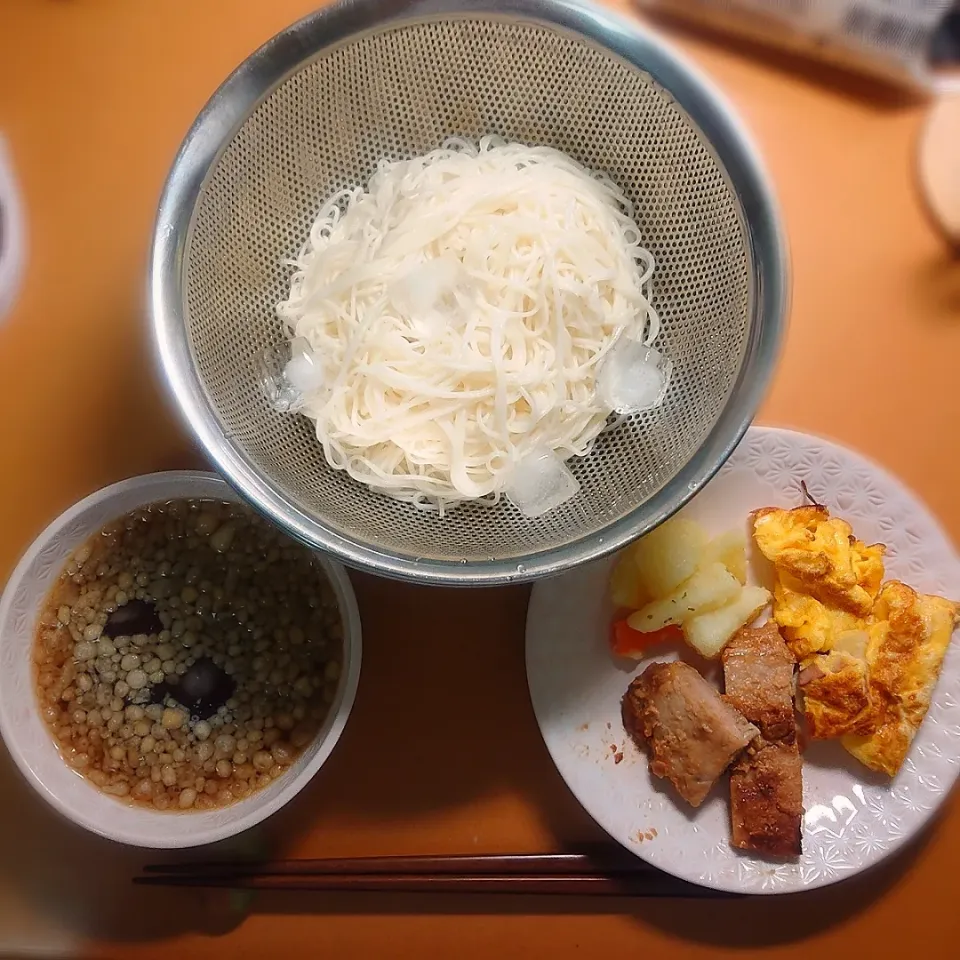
{"x": 766, "y": 799}
{"x": 692, "y": 735}
{"x": 766, "y": 783}
{"x": 758, "y": 678}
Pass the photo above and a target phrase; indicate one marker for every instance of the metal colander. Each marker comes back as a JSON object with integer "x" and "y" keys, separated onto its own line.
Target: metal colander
{"x": 315, "y": 109}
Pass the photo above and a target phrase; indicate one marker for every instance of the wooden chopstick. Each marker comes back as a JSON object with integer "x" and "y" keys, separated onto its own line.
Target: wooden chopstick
{"x": 543, "y": 874}
{"x": 503, "y": 864}
{"x": 639, "y": 886}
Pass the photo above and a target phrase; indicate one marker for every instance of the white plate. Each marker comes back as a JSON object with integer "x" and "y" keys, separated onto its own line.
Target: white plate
{"x": 853, "y": 818}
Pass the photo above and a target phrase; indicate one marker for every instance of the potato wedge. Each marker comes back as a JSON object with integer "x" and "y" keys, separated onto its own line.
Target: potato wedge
{"x": 625, "y": 588}
{"x": 709, "y": 632}
{"x": 730, "y": 549}
{"x": 710, "y": 587}
{"x": 667, "y": 556}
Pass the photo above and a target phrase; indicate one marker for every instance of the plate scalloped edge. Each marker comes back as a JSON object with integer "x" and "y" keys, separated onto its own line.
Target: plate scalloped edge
{"x": 853, "y": 818}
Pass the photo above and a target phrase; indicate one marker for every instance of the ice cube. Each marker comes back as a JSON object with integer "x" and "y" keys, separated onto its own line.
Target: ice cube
{"x": 289, "y": 373}
{"x": 427, "y": 286}
{"x": 540, "y": 482}
{"x": 633, "y": 377}
{"x": 303, "y": 371}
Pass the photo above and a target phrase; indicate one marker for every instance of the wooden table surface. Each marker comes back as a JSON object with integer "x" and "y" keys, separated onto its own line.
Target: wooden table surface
{"x": 95, "y": 96}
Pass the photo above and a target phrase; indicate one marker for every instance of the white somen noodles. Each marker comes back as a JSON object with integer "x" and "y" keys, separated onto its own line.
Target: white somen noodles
{"x": 459, "y": 306}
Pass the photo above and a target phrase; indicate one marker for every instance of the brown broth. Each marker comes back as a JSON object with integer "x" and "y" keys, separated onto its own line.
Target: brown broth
{"x": 187, "y": 655}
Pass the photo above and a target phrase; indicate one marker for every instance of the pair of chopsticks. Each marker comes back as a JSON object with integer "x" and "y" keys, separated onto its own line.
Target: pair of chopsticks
{"x": 556, "y": 873}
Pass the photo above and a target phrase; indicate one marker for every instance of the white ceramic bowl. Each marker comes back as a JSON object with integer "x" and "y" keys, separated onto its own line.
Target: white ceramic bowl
{"x": 28, "y": 739}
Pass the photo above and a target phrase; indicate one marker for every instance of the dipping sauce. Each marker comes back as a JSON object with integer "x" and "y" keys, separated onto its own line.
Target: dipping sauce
{"x": 187, "y": 655}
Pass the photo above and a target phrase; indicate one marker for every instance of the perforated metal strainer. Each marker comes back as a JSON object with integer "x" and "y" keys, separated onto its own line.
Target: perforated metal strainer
{"x": 316, "y": 108}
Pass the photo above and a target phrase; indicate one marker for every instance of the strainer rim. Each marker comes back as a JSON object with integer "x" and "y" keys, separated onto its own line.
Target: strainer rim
{"x": 285, "y": 54}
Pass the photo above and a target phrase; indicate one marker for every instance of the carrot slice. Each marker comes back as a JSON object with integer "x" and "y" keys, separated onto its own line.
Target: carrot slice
{"x": 627, "y": 642}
